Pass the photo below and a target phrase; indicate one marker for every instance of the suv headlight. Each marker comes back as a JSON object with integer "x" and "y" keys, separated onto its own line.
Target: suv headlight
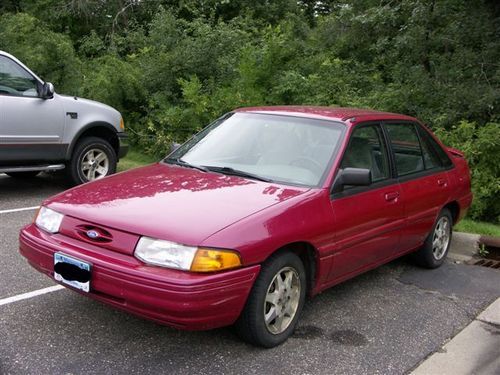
{"x": 188, "y": 258}
{"x": 49, "y": 220}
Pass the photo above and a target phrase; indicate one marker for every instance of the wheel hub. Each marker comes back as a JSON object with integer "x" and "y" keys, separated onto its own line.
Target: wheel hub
{"x": 94, "y": 164}
{"x": 441, "y": 238}
{"x": 282, "y": 300}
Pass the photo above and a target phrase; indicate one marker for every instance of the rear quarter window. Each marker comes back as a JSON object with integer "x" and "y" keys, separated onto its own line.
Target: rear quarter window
{"x": 441, "y": 154}
{"x": 406, "y": 147}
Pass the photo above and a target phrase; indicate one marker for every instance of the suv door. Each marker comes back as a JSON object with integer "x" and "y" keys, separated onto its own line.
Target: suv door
{"x": 31, "y": 128}
{"x": 423, "y": 178}
{"x": 368, "y": 219}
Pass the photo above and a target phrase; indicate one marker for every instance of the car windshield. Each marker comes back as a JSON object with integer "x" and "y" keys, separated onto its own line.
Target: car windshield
{"x": 266, "y": 147}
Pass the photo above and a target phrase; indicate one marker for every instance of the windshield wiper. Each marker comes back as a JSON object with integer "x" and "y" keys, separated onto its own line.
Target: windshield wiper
{"x": 183, "y": 163}
{"x": 235, "y": 172}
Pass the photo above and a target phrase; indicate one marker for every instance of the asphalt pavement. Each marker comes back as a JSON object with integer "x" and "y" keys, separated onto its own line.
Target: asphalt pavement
{"x": 386, "y": 321}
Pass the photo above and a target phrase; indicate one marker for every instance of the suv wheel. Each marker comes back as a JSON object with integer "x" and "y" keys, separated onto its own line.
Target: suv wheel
{"x": 93, "y": 159}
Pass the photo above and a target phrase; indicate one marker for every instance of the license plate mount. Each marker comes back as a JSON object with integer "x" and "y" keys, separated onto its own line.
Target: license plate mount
{"x": 72, "y": 271}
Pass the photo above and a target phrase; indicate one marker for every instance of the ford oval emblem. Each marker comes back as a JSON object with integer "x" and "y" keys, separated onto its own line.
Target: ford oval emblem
{"x": 92, "y": 234}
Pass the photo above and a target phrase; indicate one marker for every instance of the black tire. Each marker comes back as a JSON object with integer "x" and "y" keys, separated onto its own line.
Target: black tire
{"x": 74, "y": 170}
{"x": 251, "y": 325}
{"x": 426, "y": 256}
{"x": 23, "y": 175}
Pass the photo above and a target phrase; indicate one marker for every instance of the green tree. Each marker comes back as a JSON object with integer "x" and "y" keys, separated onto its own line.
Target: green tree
{"x": 51, "y": 55}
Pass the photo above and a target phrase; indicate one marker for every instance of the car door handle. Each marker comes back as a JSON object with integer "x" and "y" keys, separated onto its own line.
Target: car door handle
{"x": 442, "y": 182}
{"x": 391, "y": 196}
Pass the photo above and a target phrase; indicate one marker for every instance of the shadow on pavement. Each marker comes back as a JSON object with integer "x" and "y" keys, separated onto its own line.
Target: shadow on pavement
{"x": 16, "y": 192}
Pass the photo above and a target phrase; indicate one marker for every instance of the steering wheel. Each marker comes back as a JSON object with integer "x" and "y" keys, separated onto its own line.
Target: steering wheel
{"x": 308, "y": 163}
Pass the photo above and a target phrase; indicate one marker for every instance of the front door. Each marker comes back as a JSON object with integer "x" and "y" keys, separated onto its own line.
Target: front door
{"x": 31, "y": 128}
{"x": 368, "y": 219}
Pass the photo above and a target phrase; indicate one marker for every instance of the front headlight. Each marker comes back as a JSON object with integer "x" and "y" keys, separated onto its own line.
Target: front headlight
{"x": 49, "y": 220}
{"x": 187, "y": 258}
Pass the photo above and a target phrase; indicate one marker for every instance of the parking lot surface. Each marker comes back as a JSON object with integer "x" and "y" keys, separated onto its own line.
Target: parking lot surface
{"x": 385, "y": 321}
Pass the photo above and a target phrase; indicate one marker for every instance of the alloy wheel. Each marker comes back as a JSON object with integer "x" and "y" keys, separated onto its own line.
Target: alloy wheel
{"x": 282, "y": 300}
{"x": 95, "y": 164}
{"x": 441, "y": 237}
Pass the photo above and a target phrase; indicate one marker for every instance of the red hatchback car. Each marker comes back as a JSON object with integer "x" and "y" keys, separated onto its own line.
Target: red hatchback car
{"x": 261, "y": 208}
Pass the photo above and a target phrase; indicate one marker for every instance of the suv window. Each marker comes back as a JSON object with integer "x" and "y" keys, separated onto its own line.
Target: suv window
{"x": 16, "y": 81}
{"x": 367, "y": 150}
{"x": 406, "y": 147}
{"x": 443, "y": 158}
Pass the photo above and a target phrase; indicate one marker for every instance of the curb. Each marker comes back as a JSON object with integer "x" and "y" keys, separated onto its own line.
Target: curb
{"x": 474, "y": 350}
{"x": 463, "y": 246}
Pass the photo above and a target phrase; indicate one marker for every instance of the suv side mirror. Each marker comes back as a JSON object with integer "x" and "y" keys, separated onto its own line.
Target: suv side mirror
{"x": 47, "y": 91}
{"x": 353, "y": 177}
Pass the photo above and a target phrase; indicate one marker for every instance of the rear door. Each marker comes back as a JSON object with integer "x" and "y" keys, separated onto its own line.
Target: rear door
{"x": 423, "y": 179}
{"x": 31, "y": 128}
{"x": 368, "y": 219}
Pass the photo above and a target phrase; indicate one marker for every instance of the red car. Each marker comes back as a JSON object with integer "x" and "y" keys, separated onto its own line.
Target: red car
{"x": 261, "y": 208}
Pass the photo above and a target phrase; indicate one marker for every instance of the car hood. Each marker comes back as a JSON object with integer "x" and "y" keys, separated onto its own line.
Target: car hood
{"x": 170, "y": 202}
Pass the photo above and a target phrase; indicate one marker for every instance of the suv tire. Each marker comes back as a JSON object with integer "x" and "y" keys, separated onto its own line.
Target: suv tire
{"x": 93, "y": 158}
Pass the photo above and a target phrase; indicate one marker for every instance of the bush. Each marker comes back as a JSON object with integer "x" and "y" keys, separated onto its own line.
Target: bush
{"x": 51, "y": 55}
{"x": 114, "y": 81}
{"x": 481, "y": 145}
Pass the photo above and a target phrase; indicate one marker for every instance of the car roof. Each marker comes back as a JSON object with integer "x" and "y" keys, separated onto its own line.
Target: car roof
{"x": 347, "y": 115}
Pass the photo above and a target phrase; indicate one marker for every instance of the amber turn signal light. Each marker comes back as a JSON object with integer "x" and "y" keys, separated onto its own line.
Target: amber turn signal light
{"x": 211, "y": 260}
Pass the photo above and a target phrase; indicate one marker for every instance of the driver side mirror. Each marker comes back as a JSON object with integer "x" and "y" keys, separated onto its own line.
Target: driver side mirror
{"x": 353, "y": 177}
{"x": 47, "y": 91}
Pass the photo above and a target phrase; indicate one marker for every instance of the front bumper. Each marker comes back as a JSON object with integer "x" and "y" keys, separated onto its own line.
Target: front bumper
{"x": 122, "y": 144}
{"x": 180, "y": 299}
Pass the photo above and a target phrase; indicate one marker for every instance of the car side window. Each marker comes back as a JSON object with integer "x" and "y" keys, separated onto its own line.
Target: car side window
{"x": 406, "y": 147}
{"x": 367, "y": 150}
{"x": 431, "y": 158}
{"x": 443, "y": 158}
{"x": 15, "y": 81}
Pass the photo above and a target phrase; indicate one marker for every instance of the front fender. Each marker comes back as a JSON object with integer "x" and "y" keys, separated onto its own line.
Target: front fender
{"x": 82, "y": 130}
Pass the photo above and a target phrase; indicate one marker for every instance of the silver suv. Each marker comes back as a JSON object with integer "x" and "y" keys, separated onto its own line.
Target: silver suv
{"x": 43, "y": 131}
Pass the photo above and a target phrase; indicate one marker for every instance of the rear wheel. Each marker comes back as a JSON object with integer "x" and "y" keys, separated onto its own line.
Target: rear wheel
{"x": 433, "y": 253}
{"x": 23, "y": 175}
{"x": 93, "y": 159}
{"x": 275, "y": 302}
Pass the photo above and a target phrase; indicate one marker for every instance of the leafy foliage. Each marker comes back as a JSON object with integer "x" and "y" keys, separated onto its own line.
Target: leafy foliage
{"x": 173, "y": 66}
{"x": 51, "y": 55}
{"x": 481, "y": 145}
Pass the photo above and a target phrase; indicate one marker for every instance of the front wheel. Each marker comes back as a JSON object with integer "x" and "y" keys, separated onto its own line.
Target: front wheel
{"x": 275, "y": 302}
{"x": 93, "y": 159}
{"x": 433, "y": 253}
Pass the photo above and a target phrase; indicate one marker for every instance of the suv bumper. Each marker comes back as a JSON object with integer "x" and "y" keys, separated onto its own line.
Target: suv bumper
{"x": 176, "y": 298}
{"x": 122, "y": 145}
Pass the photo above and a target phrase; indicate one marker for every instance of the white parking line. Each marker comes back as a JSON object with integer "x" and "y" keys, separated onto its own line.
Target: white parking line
{"x": 19, "y": 209}
{"x": 28, "y": 295}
